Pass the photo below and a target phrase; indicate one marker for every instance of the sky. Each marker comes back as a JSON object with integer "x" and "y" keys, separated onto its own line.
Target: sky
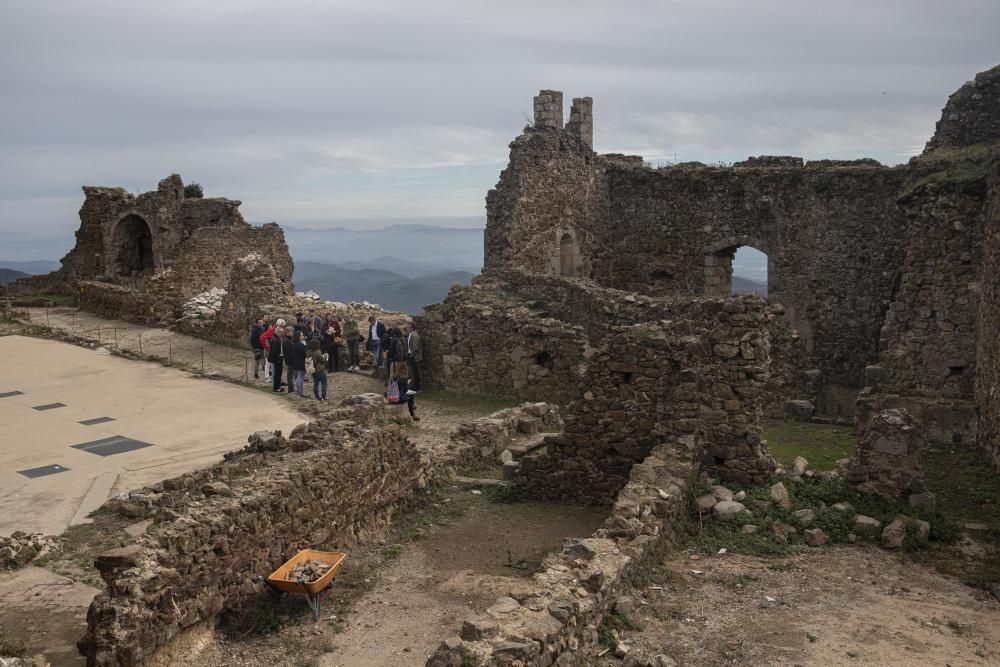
{"x": 323, "y": 113}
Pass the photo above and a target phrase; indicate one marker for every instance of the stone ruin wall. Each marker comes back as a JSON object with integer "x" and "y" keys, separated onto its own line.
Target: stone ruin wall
{"x": 988, "y": 368}
{"x": 698, "y": 384}
{"x": 331, "y": 483}
{"x": 485, "y": 338}
{"x": 194, "y": 244}
{"x": 831, "y": 230}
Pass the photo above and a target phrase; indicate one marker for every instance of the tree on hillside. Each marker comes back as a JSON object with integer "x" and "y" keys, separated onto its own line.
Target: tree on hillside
{"x": 193, "y": 191}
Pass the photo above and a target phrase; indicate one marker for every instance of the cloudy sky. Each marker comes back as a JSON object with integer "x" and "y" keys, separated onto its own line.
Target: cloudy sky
{"x": 313, "y": 113}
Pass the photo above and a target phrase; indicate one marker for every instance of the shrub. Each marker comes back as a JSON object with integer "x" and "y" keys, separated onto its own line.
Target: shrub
{"x": 193, "y": 191}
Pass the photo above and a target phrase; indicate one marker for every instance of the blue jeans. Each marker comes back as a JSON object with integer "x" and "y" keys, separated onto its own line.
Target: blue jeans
{"x": 319, "y": 380}
{"x": 300, "y": 382}
{"x": 377, "y": 349}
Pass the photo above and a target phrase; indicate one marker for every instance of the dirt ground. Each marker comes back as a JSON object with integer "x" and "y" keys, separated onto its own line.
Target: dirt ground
{"x": 839, "y": 605}
{"x": 396, "y": 601}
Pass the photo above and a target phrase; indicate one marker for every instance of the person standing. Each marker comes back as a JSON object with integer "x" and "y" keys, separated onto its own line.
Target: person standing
{"x": 395, "y": 352}
{"x": 353, "y": 340}
{"x": 414, "y": 355}
{"x": 319, "y": 376}
{"x": 330, "y": 337}
{"x": 376, "y": 331}
{"x": 256, "y": 331}
{"x": 287, "y": 346}
{"x": 276, "y": 356}
{"x": 299, "y": 353}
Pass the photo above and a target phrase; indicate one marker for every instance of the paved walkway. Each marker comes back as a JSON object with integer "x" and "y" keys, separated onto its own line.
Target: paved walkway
{"x": 80, "y": 425}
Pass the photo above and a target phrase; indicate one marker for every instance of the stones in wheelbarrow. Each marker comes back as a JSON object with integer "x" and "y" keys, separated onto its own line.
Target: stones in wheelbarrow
{"x": 308, "y": 571}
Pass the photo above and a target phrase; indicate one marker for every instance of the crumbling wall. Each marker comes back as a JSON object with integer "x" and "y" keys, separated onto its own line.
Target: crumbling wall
{"x": 830, "y": 228}
{"x": 988, "y": 368}
{"x": 330, "y": 483}
{"x": 488, "y": 343}
{"x": 970, "y": 116}
{"x": 138, "y": 257}
{"x": 702, "y": 387}
{"x": 576, "y": 588}
{"x": 929, "y": 337}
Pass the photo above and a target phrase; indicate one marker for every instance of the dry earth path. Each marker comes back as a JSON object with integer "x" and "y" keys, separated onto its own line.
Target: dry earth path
{"x": 841, "y": 605}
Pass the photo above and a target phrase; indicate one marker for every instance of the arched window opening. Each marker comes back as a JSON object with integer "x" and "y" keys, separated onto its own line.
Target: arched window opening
{"x": 736, "y": 269}
{"x": 132, "y": 247}
{"x": 567, "y": 256}
{"x": 749, "y": 271}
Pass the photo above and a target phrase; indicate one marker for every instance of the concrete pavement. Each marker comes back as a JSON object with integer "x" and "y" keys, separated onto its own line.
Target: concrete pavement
{"x": 187, "y": 423}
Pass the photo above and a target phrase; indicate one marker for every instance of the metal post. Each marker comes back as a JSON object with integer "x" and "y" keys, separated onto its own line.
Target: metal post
{"x": 202, "y": 360}
{"x": 47, "y": 318}
{"x": 98, "y": 334}
{"x": 115, "y": 330}
{"x": 73, "y": 315}
{"x": 140, "y": 342}
{"x": 170, "y": 351}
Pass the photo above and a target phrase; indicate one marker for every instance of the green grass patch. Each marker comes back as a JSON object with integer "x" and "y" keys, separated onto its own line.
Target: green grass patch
{"x": 964, "y": 485}
{"x": 455, "y": 402}
{"x": 820, "y": 444}
{"x": 44, "y": 300}
{"x": 507, "y": 494}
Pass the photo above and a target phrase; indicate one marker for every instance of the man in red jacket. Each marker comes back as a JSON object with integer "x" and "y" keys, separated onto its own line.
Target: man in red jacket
{"x": 265, "y": 341}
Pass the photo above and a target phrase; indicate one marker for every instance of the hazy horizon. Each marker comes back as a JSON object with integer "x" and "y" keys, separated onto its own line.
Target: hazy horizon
{"x": 316, "y": 112}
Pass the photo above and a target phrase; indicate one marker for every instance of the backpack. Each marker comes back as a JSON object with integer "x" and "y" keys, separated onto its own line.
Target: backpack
{"x": 393, "y": 394}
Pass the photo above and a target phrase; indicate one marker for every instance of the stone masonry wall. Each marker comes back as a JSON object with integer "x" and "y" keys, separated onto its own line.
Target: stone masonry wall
{"x": 970, "y": 116}
{"x": 831, "y": 230}
{"x": 485, "y": 342}
{"x": 330, "y": 483}
{"x": 929, "y": 338}
{"x": 988, "y": 368}
{"x": 576, "y": 588}
{"x": 700, "y": 386}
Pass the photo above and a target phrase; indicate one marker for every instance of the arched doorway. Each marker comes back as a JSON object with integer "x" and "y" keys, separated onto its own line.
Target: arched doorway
{"x": 567, "y": 256}
{"x": 736, "y": 266}
{"x": 132, "y": 247}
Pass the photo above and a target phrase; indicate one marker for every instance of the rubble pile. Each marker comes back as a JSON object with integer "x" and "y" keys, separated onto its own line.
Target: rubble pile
{"x": 19, "y": 549}
{"x": 308, "y": 571}
{"x": 204, "y": 306}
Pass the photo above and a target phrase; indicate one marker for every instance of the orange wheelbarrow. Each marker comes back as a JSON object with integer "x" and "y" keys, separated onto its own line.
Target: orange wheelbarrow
{"x": 313, "y": 590}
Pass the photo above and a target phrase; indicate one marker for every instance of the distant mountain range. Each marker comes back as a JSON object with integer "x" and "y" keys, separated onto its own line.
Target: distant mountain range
{"x": 10, "y": 275}
{"x": 441, "y": 248}
{"x": 31, "y": 267}
{"x": 746, "y": 286}
{"x": 392, "y": 283}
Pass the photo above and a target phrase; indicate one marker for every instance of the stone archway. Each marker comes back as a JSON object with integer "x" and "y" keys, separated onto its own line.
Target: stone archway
{"x": 132, "y": 248}
{"x": 719, "y": 264}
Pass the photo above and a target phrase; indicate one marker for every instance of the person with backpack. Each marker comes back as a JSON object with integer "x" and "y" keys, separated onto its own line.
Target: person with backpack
{"x": 395, "y": 351}
{"x": 399, "y": 391}
{"x": 319, "y": 373}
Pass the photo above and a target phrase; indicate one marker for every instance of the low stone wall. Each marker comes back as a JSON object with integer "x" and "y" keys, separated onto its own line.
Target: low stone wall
{"x": 483, "y": 440}
{"x": 484, "y": 342}
{"x": 703, "y": 386}
{"x": 577, "y": 587}
{"x": 330, "y": 483}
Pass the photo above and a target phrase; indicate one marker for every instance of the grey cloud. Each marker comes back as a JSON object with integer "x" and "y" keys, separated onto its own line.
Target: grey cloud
{"x": 318, "y": 110}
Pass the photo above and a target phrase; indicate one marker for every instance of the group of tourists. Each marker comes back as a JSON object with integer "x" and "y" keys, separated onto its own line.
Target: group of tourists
{"x": 285, "y": 353}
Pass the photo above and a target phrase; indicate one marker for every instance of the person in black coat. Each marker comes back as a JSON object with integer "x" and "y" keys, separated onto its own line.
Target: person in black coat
{"x": 257, "y": 347}
{"x": 374, "y": 344}
{"x": 276, "y": 355}
{"x": 287, "y": 345}
{"x": 299, "y": 353}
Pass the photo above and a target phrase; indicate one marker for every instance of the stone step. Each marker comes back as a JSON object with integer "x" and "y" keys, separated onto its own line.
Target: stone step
{"x": 474, "y": 481}
{"x": 521, "y": 447}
